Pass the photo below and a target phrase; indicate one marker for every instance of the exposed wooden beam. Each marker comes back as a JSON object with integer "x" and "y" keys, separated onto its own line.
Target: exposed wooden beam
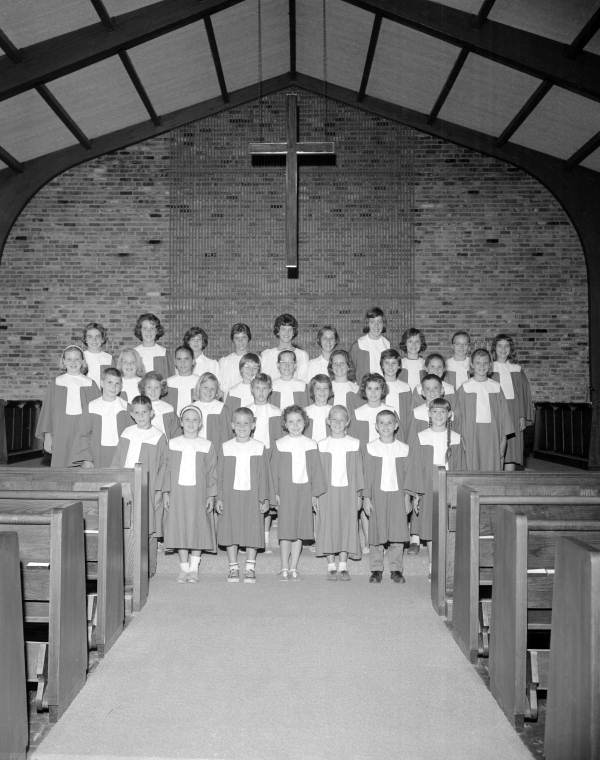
{"x": 103, "y": 14}
{"x": 292, "y": 15}
{"x": 13, "y": 53}
{"x": 584, "y": 36}
{"x": 212, "y": 41}
{"x": 585, "y": 150}
{"x": 139, "y": 87}
{"x": 69, "y": 52}
{"x": 484, "y": 12}
{"x": 64, "y": 116}
{"x": 531, "y": 103}
{"x": 370, "y": 56}
{"x": 11, "y": 162}
{"x": 448, "y": 85}
{"x": 538, "y": 56}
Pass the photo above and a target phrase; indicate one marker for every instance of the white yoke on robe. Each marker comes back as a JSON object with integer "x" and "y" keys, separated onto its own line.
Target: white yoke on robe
{"x": 268, "y": 362}
{"x": 149, "y": 353}
{"x": 460, "y": 368}
{"x": 188, "y": 448}
{"x": 95, "y": 361}
{"x": 413, "y": 368}
{"x": 341, "y": 391}
{"x": 229, "y": 371}
{"x": 264, "y": 413}
{"x": 108, "y": 411}
{"x": 318, "y": 415}
{"x": 130, "y": 388}
{"x": 374, "y": 347}
{"x": 438, "y": 440}
{"x": 286, "y": 389}
{"x": 160, "y": 408}
{"x": 316, "y": 366}
{"x": 203, "y": 364}
{"x": 368, "y": 414}
{"x": 184, "y": 385}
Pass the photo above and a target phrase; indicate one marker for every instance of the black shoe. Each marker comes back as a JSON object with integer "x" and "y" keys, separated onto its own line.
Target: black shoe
{"x": 397, "y": 576}
{"x": 376, "y": 576}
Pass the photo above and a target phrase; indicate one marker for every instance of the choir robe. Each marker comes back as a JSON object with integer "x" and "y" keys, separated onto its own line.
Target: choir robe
{"x": 457, "y": 371}
{"x": 417, "y": 394}
{"x": 190, "y": 479}
{"x": 155, "y": 359}
{"x": 268, "y": 424}
{"x": 268, "y": 362}
{"x": 216, "y": 422}
{"x": 100, "y": 427}
{"x": 149, "y": 448}
{"x": 288, "y": 392}
{"x": 426, "y": 455}
{"x": 165, "y": 419}
{"x": 400, "y": 399}
{"x": 97, "y": 362}
{"x": 297, "y": 477}
{"x": 317, "y": 421}
{"x": 515, "y": 385}
{"x": 316, "y": 366}
{"x": 239, "y": 395}
{"x": 130, "y": 388}
{"x": 362, "y": 421}
{"x": 385, "y": 467}
{"x": 336, "y": 525}
{"x": 419, "y": 420}
{"x": 366, "y": 354}
{"x": 244, "y": 481}
{"x": 345, "y": 393}
{"x": 203, "y": 364}
{"x": 229, "y": 371}
{"x": 66, "y": 398}
{"x": 413, "y": 371}
{"x": 483, "y": 436}
{"x": 179, "y": 391}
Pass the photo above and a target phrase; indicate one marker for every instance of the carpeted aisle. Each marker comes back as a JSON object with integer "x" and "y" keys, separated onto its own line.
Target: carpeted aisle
{"x": 275, "y": 671}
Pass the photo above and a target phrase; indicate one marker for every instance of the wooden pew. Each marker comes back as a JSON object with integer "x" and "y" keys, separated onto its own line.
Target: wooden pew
{"x": 18, "y": 420}
{"x": 523, "y": 587}
{"x": 509, "y": 483}
{"x": 51, "y": 552}
{"x": 135, "y": 510}
{"x": 103, "y": 525}
{"x": 13, "y": 693}
{"x": 475, "y": 528}
{"x": 572, "y": 726}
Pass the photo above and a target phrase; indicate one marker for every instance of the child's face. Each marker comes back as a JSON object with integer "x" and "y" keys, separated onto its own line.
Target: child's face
{"x": 373, "y": 392}
{"x": 435, "y": 367}
{"x": 439, "y": 417}
{"x": 152, "y": 389}
{"x": 460, "y": 345}
{"x": 208, "y": 390}
{"x": 502, "y": 350}
{"x": 287, "y": 366}
{"x": 413, "y": 346}
{"x": 191, "y": 422}
{"x": 375, "y": 326}
{"x": 386, "y": 426}
{"x": 93, "y": 339}
{"x": 328, "y": 341}
{"x": 481, "y": 366}
{"x": 321, "y": 392}
{"x": 249, "y": 371}
{"x": 242, "y": 425}
{"x": 183, "y": 362}
{"x": 390, "y": 367}
{"x": 260, "y": 392}
{"x": 148, "y": 332}
{"x": 111, "y": 387}
{"x": 286, "y": 334}
{"x": 294, "y": 422}
{"x": 128, "y": 366}
{"x": 240, "y": 342}
{"x": 72, "y": 361}
{"x": 340, "y": 368}
{"x": 142, "y": 415}
{"x": 431, "y": 389}
{"x": 196, "y": 343}
{"x": 338, "y": 421}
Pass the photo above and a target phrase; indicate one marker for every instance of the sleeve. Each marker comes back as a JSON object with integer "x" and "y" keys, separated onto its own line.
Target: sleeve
{"x": 220, "y": 474}
{"x": 353, "y": 401}
{"x": 458, "y": 461}
{"x": 505, "y": 423}
{"x": 166, "y": 485}
{"x": 405, "y": 407}
{"x": 224, "y": 424}
{"x": 172, "y": 426}
{"x": 316, "y": 475}
{"x": 526, "y": 408}
{"x": 368, "y": 473}
{"x": 266, "y": 490}
{"x": 415, "y": 480}
{"x": 162, "y": 452}
{"x": 82, "y": 451}
{"x": 44, "y": 423}
{"x": 275, "y": 466}
{"x": 120, "y": 454}
{"x": 458, "y": 421}
{"x": 360, "y": 473}
{"x": 171, "y": 397}
{"x": 211, "y": 471}
{"x": 90, "y": 393}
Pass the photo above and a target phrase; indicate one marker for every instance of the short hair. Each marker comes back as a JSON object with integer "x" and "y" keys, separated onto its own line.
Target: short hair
{"x": 431, "y": 376}
{"x": 111, "y": 372}
{"x": 319, "y": 379}
{"x": 148, "y": 317}
{"x": 429, "y": 357}
{"x": 73, "y": 347}
{"x": 240, "y": 327}
{"x": 183, "y": 347}
{"x": 293, "y": 408}
{"x": 410, "y": 333}
{"x": 139, "y": 364}
{"x": 204, "y": 377}
{"x": 323, "y": 330}
{"x": 284, "y": 320}
{"x": 337, "y": 407}
{"x": 285, "y": 351}
{"x": 481, "y": 352}
{"x": 511, "y": 343}
{"x": 372, "y": 313}
{"x": 142, "y": 400}
{"x": 391, "y": 353}
{"x": 346, "y": 356}
{"x": 95, "y": 326}
{"x": 373, "y": 377}
{"x": 249, "y": 358}
{"x": 387, "y": 413}
{"x": 192, "y": 332}
{"x": 153, "y": 376}
{"x": 261, "y": 377}
{"x": 243, "y": 410}
{"x": 461, "y": 332}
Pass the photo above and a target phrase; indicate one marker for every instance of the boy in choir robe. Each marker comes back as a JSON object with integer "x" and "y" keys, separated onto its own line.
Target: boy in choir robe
{"x": 287, "y": 389}
{"x": 365, "y": 352}
{"x": 103, "y": 422}
{"x": 180, "y": 387}
{"x": 458, "y": 366}
{"x": 384, "y": 500}
{"x": 241, "y": 394}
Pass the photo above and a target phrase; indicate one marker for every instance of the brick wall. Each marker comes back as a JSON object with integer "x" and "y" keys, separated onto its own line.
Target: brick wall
{"x": 439, "y": 236}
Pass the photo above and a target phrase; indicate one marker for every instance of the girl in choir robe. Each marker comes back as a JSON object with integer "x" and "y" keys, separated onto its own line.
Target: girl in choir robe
{"x": 229, "y": 366}
{"x": 431, "y": 387}
{"x": 320, "y": 392}
{"x": 131, "y": 366}
{"x": 515, "y": 385}
{"x": 189, "y": 493}
{"x": 436, "y": 446}
{"x": 94, "y": 340}
{"x": 241, "y": 394}
{"x": 154, "y": 386}
{"x": 327, "y": 340}
{"x": 366, "y": 351}
{"x": 298, "y": 480}
{"x": 285, "y": 329}
{"x": 482, "y": 417}
{"x": 244, "y": 492}
{"x": 336, "y": 528}
{"x": 216, "y": 419}
{"x": 385, "y": 502}
{"x": 67, "y": 396}
{"x": 341, "y": 371}
{"x": 287, "y": 389}
{"x": 434, "y": 365}
{"x": 102, "y": 422}
{"x": 148, "y": 330}
{"x": 399, "y": 395}
{"x": 146, "y": 444}
{"x": 196, "y": 338}
{"x": 458, "y": 365}
{"x": 412, "y": 344}
{"x": 181, "y": 386}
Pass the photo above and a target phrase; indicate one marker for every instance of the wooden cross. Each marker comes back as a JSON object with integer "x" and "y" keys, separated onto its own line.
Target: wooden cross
{"x": 291, "y": 149}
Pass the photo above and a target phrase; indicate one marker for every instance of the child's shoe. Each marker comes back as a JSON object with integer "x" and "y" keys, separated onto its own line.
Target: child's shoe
{"x": 250, "y": 575}
{"x": 193, "y": 576}
{"x": 397, "y": 576}
{"x": 344, "y": 575}
{"x": 233, "y": 575}
{"x": 294, "y": 575}
{"x": 182, "y": 577}
{"x": 283, "y": 575}
{"x": 376, "y": 576}
{"x": 332, "y": 575}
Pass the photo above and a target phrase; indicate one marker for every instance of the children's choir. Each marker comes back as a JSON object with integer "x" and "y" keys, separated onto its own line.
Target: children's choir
{"x": 342, "y": 447}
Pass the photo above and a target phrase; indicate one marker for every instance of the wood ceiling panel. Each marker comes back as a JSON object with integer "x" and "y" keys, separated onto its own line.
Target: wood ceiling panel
{"x": 177, "y": 69}
{"x": 29, "y": 128}
{"x": 236, "y": 32}
{"x": 560, "y": 20}
{"x": 487, "y": 95}
{"x": 593, "y": 161}
{"x": 409, "y": 68}
{"x": 100, "y": 98}
{"x": 560, "y": 125}
{"x": 26, "y": 22}
{"x": 347, "y": 41}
